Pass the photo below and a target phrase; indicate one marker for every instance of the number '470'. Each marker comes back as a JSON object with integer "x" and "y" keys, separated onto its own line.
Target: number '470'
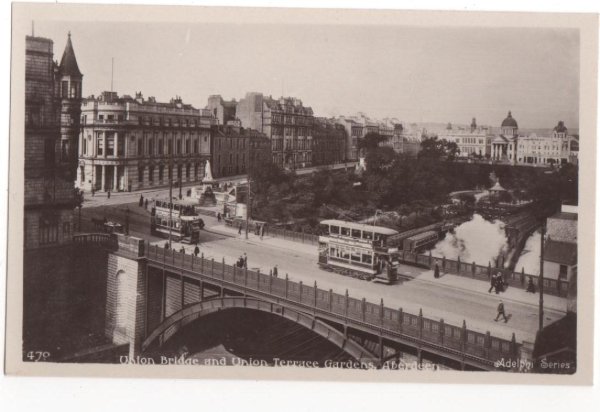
{"x": 38, "y": 355}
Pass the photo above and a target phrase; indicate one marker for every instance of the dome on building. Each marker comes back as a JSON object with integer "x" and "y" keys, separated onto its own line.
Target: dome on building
{"x": 509, "y": 121}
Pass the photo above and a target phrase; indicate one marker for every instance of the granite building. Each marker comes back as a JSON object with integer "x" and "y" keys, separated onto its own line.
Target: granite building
{"x": 52, "y": 113}
{"x": 286, "y": 122}
{"x": 131, "y": 143}
{"x": 235, "y": 149}
{"x": 329, "y": 142}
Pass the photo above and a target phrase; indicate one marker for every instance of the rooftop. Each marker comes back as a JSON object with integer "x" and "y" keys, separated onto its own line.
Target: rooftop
{"x": 360, "y": 226}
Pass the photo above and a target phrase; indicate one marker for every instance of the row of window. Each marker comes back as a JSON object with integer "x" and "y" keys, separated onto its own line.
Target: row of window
{"x": 181, "y": 169}
{"x": 145, "y": 146}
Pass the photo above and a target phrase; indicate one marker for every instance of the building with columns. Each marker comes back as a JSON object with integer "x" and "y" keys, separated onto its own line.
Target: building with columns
{"x": 130, "y": 143}
{"x": 286, "y": 122}
{"x": 558, "y": 148}
{"x": 504, "y": 146}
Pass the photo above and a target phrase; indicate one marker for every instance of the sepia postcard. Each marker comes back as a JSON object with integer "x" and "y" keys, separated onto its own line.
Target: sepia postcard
{"x": 349, "y": 195}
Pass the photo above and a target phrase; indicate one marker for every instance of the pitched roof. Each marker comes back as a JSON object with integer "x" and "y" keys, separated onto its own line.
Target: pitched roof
{"x": 68, "y": 63}
{"x": 564, "y": 253}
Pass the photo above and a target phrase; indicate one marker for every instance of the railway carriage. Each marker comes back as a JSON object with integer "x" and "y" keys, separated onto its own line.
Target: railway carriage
{"x": 358, "y": 250}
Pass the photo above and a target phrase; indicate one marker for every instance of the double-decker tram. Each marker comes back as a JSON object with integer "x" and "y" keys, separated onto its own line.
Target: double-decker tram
{"x": 179, "y": 218}
{"x": 358, "y": 250}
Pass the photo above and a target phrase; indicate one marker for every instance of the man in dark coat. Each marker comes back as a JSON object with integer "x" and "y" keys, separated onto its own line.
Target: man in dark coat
{"x": 501, "y": 312}
{"x": 196, "y": 250}
{"x": 436, "y": 271}
{"x": 492, "y": 283}
{"x": 141, "y": 201}
{"x": 530, "y": 286}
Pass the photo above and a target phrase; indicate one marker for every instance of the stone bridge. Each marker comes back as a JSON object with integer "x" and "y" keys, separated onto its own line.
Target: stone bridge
{"x": 152, "y": 293}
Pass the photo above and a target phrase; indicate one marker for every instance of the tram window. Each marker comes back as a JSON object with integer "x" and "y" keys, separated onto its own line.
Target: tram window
{"x": 368, "y": 235}
{"x": 334, "y": 230}
{"x": 344, "y": 254}
{"x": 356, "y": 233}
{"x": 367, "y": 259}
{"x": 324, "y": 229}
{"x": 345, "y": 231}
{"x": 334, "y": 252}
{"x": 355, "y": 256}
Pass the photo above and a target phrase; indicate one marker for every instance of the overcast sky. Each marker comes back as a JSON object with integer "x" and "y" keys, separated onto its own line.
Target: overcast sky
{"x": 414, "y": 74}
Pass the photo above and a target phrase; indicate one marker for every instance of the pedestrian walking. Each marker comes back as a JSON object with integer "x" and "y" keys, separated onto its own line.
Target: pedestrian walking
{"x": 492, "y": 283}
{"x": 219, "y": 217}
{"x": 245, "y": 260}
{"x": 240, "y": 229}
{"x": 146, "y": 204}
{"x": 499, "y": 283}
{"x": 108, "y": 194}
{"x": 166, "y": 245}
{"x": 182, "y": 250}
{"x": 275, "y": 271}
{"x": 530, "y": 286}
{"x": 196, "y": 250}
{"x": 141, "y": 202}
{"x": 501, "y": 312}
{"x": 436, "y": 271}
{"x": 93, "y": 192}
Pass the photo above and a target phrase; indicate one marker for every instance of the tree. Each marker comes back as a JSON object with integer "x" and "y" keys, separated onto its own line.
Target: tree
{"x": 436, "y": 149}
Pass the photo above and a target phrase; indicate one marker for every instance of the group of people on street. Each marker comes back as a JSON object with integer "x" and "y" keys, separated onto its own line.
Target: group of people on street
{"x": 143, "y": 202}
{"x": 242, "y": 262}
{"x": 497, "y": 283}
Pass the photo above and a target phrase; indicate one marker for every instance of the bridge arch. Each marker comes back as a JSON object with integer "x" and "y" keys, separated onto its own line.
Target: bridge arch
{"x": 200, "y": 309}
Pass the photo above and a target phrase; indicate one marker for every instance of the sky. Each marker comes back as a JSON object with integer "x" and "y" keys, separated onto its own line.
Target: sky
{"x": 415, "y": 74}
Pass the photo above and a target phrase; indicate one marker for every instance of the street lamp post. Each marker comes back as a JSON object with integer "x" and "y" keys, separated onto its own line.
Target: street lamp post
{"x": 541, "y": 278}
{"x": 248, "y": 207}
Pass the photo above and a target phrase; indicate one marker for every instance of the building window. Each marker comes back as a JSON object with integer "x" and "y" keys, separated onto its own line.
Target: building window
{"x": 64, "y": 92}
{"x": 49, "y": 152}
{"x": 140, "y": 147}
{"x": 196, "y": 171}
{"x": 150, "y": 146}
{"x": 170, "y": 147}
{"x": 121, "y": 146}
{"x": 66, "y": 230}
{"x": 160, "y": 147}
{"x": 187, "y": 146}
{"x": 161, "y": 172}
{"x": 141, "y": 174}
{"x": 187, "y": 171}
{"x": 99, "y": 145}
{"x": 110, "y": 144}
{"x": 195, "y": 146}
{"x": 179, "y": 172}
{"x": 48, "y": 230}
{"x": 64, "y": 150}
{"x": 563, "y": 270}
{"x": 151, "y": 174}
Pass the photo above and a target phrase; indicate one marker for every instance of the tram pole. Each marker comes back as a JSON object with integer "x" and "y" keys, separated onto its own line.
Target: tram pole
{"x": 541, "y": 278}
{"x": 248, "y": 201}
{"x": 170, "y": 200}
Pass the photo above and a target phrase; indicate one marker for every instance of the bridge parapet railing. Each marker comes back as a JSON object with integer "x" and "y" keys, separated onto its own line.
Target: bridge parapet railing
{"x": 557, "y": 287}
{"x": 378, "y": 316}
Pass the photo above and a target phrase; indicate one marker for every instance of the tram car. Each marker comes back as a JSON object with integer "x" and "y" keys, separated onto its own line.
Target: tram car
{"x": 185, "y": 222}
{"x": 358, "y": 250}
{"x": 421, "y": 241}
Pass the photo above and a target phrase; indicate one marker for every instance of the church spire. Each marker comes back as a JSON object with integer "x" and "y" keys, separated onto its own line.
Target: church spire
{"x": 68, "y": 64}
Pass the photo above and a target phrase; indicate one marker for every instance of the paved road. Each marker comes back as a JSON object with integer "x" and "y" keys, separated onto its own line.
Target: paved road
{"x": 438, "y": 300}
